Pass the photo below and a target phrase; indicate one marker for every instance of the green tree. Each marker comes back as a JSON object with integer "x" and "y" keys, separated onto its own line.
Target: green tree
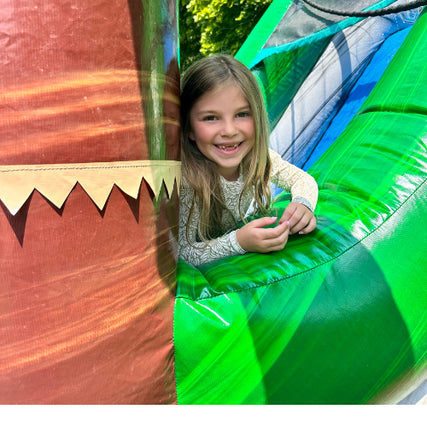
{"x": 212, "y": 26}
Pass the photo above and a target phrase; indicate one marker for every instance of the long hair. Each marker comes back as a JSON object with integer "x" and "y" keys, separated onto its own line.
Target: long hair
{"x": 200, "y": 172}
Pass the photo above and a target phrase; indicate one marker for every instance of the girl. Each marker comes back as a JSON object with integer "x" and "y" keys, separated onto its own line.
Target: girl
{"x": 227, "y": 167}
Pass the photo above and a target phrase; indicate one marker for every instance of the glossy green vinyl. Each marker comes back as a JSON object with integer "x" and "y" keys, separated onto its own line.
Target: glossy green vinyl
{"x": 338, "y": 316}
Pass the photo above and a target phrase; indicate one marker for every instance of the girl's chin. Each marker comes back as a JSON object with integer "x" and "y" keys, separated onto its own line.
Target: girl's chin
{"x": 230, "y": 173}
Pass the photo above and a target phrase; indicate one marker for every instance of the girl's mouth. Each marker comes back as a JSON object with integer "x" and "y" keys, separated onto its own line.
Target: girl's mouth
{"x": 228, "y": 148}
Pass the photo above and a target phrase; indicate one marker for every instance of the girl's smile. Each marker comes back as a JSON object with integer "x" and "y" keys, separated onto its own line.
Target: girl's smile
{"x": 223, "y": 128}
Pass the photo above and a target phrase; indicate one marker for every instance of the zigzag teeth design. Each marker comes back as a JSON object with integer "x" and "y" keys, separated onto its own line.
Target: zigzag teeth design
{"x": 55, "y": 182}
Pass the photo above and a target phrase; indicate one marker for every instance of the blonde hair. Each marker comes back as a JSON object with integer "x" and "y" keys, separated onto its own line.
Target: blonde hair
{"x": 200, "y": 172}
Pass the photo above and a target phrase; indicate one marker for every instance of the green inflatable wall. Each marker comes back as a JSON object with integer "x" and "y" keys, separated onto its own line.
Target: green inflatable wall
{"x": 338, "y": 316}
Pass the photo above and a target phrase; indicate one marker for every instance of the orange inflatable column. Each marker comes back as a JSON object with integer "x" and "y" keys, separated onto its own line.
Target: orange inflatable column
{"x": 89, "y": 174}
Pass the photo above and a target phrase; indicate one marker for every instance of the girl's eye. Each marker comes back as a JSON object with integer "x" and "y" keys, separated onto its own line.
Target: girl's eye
{"x": 209, "y": 118}
{"x": 244, "y": 114}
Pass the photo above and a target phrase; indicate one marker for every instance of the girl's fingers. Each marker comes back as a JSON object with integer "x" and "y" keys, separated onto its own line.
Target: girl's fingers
{"x": 271, "y": 246}
{"x": 310, "y": 226}
{"x": 262, "y": 222}
{"x": 295, "y": 213}
{"x": 275, "y": 232}
{"x": 279, "y": 242}
{"x": 299, "y": 223}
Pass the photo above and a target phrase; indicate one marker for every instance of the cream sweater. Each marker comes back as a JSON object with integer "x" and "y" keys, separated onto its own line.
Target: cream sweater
{"x": 286, "y": 176}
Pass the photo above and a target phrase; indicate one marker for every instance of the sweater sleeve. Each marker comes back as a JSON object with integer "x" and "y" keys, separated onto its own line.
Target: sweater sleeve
{"x": 196, "y": 252}
{"x": 288, "y": 177}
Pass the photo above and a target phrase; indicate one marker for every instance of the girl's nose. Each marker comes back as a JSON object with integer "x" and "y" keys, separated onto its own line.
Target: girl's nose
{"x": 229, "y": 128}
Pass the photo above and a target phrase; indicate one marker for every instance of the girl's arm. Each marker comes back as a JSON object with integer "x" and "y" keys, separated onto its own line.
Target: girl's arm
{"x": 252, "y": 237}
{"x": 196, "y": 252}
{"x": 304, "y": 190}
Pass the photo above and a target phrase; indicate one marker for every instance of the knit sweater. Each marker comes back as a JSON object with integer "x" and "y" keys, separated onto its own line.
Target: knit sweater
{"x": 286, "y": 176}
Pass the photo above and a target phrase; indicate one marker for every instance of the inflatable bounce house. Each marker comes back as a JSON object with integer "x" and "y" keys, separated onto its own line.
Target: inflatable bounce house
{"x": 97, "y": 308}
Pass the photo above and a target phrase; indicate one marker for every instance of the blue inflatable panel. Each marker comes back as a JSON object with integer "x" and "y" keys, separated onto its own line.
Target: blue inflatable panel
{"x": 359, "y": 93}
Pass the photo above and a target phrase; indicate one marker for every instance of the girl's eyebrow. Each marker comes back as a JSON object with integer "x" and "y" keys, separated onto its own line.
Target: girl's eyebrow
{"x": 203, "y": 112}
{"x": 243, "y": 107}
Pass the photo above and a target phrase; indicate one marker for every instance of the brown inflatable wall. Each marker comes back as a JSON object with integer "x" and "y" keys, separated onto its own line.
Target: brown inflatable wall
{"x": 88, "y": 95}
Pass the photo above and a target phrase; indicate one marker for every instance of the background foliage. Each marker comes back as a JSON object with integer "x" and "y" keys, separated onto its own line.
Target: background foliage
{"x": 212, "y": 26}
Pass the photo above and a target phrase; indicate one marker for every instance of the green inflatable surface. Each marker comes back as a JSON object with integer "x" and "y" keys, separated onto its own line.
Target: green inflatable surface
{"x": 339, "y": 316}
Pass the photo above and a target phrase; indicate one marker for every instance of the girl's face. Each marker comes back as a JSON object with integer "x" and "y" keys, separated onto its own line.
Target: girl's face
{"x": 223, "y": 128}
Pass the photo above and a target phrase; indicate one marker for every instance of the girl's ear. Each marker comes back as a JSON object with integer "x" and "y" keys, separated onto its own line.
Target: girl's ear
{"x": 191, "y": 135}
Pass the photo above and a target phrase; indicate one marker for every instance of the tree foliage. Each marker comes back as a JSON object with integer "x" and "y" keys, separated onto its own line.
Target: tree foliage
{"x": 212, "y": 26}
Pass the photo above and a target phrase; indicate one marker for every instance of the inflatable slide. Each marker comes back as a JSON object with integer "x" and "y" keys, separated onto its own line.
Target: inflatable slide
{"x": 339, "y": 316}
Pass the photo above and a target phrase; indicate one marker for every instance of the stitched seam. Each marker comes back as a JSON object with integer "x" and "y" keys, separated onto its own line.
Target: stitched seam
{"x": 61, "y": 168}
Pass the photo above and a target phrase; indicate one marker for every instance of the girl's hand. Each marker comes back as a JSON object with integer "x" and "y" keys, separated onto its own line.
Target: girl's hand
{"x": 301, "y": 220}
{"x": 252, "y": 237}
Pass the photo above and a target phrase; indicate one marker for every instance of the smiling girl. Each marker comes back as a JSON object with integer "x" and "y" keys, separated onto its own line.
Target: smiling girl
{"x": 227, "y": 168}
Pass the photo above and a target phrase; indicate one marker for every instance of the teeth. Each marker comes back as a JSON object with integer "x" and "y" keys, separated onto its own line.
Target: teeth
{"x": 224, "y": 147}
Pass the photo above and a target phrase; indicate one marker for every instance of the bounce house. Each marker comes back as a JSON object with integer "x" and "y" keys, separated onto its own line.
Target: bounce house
{"x": 96, "y": 307}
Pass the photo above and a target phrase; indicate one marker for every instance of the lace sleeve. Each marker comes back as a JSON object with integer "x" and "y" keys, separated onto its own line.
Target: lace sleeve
{"x": 193, "y": 251}
{"x": 288, "y": 177}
